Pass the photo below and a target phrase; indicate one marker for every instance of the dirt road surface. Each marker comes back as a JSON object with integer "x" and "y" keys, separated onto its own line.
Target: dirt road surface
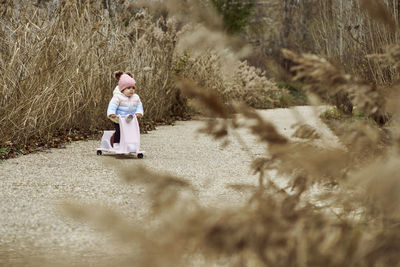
{"x": 33, "y": 188}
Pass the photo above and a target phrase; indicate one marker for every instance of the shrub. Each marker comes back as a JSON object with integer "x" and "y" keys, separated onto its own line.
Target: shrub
{"x": 296, "y": 91}
{"x": 241, "y": 82}
{"x": 332, "y": 114}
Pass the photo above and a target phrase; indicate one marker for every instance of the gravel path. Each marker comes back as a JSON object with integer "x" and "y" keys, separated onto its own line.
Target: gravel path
{"x": 34, "y": 187}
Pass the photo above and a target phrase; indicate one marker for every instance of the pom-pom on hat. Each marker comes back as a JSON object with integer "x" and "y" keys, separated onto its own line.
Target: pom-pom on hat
{"x": 126, "y": 81}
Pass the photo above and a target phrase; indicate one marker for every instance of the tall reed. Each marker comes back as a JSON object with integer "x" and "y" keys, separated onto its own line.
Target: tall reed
{"x": 342, "y": 31}
{"x": 58, "y": 64}
{"x": 58, "y": 61}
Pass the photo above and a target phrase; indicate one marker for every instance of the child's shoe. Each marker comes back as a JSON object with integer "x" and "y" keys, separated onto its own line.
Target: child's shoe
{"x": 129, "y": 118}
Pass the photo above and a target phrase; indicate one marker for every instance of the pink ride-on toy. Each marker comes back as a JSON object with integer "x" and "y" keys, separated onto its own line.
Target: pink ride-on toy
{"x": 129, "y": 141}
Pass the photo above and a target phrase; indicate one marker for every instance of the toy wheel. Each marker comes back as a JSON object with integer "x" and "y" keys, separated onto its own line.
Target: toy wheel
{"x": 99, "y": 152}
{"x": 140, "y": 156}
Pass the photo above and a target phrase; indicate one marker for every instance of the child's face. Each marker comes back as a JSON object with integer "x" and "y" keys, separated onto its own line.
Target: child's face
{"x": 129, "y": 91}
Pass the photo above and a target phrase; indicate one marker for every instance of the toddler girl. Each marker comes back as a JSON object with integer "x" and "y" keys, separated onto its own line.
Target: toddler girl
{"x": 124, "y": 102}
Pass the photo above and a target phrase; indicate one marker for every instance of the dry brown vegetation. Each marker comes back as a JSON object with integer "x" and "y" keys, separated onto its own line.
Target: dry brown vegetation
{"x": 57, "y": 68}
{"x": 241, "y": 83}
{"x": 57, "y": 63}
{"x": 342, "y": 31}
{"x": 355, "y": 222}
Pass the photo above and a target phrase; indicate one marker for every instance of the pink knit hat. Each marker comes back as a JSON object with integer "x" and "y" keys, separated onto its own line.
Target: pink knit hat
{"x": 126, "y": 81}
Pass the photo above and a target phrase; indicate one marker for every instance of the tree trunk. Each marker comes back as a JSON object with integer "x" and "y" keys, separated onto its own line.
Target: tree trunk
{"x": 340, "y": 24}
{"x": 288, "y": 8}
{"x": 287, "y": 21}
{"x": 398, "y": 11}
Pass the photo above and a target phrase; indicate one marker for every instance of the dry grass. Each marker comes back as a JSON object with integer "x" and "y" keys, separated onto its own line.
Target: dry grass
{"x": 57, "y": 67}
{"x": 343, "y": 31}
{"x": 342, "y": 90}
{"x": 354, "y": 222}
{"x": 340, "y": 30}
{"x": 57, "y": 64}
{"x": 239, "y": 83}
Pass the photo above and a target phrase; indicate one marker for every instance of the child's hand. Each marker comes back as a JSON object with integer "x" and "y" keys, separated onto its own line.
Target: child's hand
{"x": 112, "y": 116}
{"x": 138, "y": 115}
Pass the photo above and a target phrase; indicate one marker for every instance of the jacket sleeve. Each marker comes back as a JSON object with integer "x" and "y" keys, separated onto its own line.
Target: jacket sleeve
{"x": 113, "y": 105}
{"x": 139, "y": 107}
